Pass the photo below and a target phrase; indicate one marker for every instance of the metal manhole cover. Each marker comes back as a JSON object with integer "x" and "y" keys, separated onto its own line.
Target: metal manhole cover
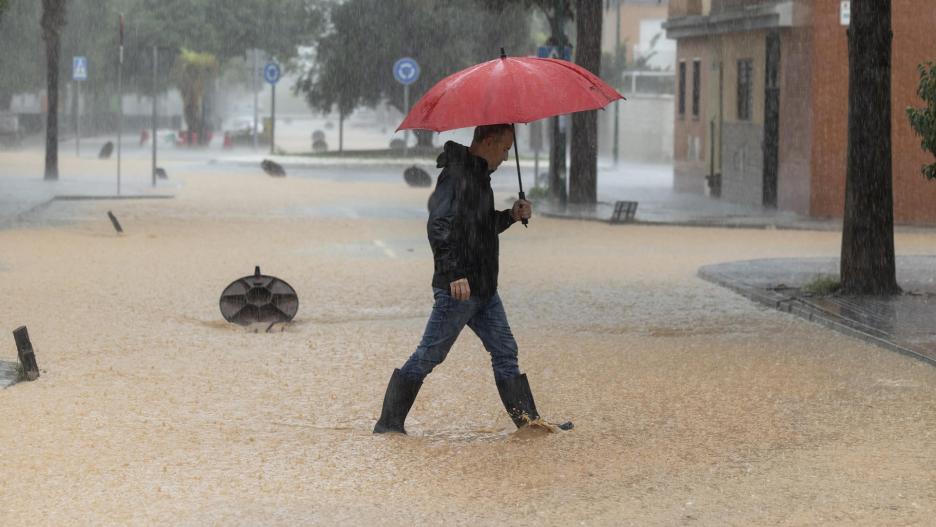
{"x": 259, "y": 298}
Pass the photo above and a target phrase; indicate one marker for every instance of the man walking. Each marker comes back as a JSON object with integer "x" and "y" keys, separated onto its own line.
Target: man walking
{"x": 463, "y": 231}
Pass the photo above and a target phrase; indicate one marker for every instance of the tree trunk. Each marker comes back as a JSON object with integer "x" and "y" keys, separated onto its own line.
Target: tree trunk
{"x": 867, "y": 265}
{"x": 53, "y": 18}
{"x": 191, "y": 108}
{"x": 583, "y": 173}
{"x": 423, "y": 138}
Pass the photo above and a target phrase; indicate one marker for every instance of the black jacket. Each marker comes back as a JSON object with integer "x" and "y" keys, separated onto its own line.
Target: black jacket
{"x": 463, "y": 225}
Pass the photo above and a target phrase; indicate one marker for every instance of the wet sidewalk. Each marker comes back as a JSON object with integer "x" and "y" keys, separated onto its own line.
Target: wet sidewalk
{"x": 904, "y": 323}
{"x": 666, "y": 207}
{"x": 24, "y": 192}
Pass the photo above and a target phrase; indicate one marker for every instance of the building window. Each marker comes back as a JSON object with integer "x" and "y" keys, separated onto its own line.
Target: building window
{"x": 682, "y": 88}
{"x": 696, "y": 86}
{"x": 745, "y": 88}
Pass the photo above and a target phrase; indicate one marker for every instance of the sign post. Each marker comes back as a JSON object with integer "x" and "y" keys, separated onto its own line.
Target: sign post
{"x": 271, "y": 73}
{"x": 79, "y": 73}
{"x": 120, "y": 100}
{"x": 557, "y": 157}
{"x": 155, "y": 116}
{"x": 254, "y": 72}
{"x": 406, "y": 72}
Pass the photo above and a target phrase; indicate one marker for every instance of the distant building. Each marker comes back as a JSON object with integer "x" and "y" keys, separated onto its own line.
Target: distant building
{"x": 634, "y": 29}
{"x": 762, "y": 103}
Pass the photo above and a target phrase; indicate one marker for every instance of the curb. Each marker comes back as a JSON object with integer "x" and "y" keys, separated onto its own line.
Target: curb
{"x": 811, "y": 312}
{"x": 40, "y": 206}
{"x": 702, "y": 225}
{"x": 95, "y": 198}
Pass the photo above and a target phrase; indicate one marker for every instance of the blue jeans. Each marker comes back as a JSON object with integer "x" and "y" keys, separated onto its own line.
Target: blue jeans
{"x": 449, "y": 316}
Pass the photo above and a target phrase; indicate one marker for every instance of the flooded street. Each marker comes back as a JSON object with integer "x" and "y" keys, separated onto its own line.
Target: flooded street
{"x": 692, "y": 405}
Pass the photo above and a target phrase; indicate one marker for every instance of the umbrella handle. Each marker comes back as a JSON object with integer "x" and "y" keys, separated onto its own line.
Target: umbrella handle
{"x": 525, "y": 221}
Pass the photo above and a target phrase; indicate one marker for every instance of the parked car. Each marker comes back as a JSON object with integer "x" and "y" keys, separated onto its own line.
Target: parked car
{"x": 239, "y": 130}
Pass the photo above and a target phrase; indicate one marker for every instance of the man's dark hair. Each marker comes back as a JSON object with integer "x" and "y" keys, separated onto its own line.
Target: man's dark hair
{"x": 490, "y": 130}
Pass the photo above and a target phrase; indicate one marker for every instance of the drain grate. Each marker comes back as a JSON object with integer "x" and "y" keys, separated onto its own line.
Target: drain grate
{"x": 259, "y": 298}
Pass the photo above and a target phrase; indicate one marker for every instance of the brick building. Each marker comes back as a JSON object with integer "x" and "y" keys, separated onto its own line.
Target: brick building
{"x": 762, "y": 103}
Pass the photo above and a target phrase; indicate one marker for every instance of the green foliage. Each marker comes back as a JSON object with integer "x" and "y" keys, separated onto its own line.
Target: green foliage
{"x": 354, "y": 58}
{"x": 53, "y": 19}
{"x": 22, "y": 61}
{"x": 223, "y": 28}
{"x": 823, "y": 285}
{"x": 557, "y": 13}
{"x": 923, "y": 120}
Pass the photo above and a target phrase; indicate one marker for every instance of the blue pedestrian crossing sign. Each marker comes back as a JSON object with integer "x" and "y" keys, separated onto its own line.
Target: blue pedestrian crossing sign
{"x": 80, "y": 68}
{"x": 406, "y": 71}
{"x": 554, "y": 52}
{"x": 271, "y": 73}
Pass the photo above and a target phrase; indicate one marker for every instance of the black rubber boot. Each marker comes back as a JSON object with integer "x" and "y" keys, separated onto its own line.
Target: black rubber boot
{"x": 401, "y": 392}
{"x": 518, "y": 400}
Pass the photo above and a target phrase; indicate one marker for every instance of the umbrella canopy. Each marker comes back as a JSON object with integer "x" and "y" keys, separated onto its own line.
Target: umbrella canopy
{"x": 509, "y": 90}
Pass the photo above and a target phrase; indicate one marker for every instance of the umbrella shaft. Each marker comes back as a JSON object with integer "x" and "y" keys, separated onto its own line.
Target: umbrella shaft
{"x": 517, "y": 157}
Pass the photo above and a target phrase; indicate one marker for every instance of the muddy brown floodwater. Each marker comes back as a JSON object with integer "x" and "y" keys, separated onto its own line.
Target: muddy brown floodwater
{"x": 692, "y": 405}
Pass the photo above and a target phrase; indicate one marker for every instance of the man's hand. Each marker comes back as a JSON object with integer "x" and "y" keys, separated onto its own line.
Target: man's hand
{"x": 460, "y": 289}
{"x": 522, "y": 210}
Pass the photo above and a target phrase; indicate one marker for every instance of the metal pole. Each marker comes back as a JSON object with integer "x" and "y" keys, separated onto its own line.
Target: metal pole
{"x": 119, "y": 115}
{"x": 617, "y": 47}
{"x": 253, "y": 84}
{"x": 272, "y": 117}
{"x": 155, "y": 117}
{"x": 77, "y": 119}
{"x": 119, "y": 103}
{"x": 405, "y": 113}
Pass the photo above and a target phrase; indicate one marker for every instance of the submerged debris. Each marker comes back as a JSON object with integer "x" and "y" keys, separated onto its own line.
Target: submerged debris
{"x": 273, "y": 168}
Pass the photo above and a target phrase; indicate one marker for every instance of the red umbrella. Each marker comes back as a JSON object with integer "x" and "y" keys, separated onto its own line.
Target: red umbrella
{"x": 509, "y": 90}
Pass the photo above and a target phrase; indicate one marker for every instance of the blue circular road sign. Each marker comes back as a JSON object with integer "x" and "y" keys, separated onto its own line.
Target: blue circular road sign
{"x": 271, "y": 72}
{"x": 406, "y": 71}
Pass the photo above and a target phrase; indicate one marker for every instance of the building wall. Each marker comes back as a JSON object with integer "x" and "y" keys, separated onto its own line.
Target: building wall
{"x": 743, "y": 163}
{"x": 914, "y": 42}
{"x": 796, "y": 132}
{"x": 631, "y": 15}
{"x": 690, "y": 149}
{"x": 829, "y": 111}
{"x": 645, "y": 128}
{"x": 688, "y": 7}
{"x": 741, "y": 153}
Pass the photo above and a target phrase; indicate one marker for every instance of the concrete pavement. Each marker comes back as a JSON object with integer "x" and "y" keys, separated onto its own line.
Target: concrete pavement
{"x": 902, "y": 323}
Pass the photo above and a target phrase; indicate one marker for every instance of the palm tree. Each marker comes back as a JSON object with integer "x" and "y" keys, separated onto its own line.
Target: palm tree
{"x": 193, "y": 72}
{"x": 53, "y": 20}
